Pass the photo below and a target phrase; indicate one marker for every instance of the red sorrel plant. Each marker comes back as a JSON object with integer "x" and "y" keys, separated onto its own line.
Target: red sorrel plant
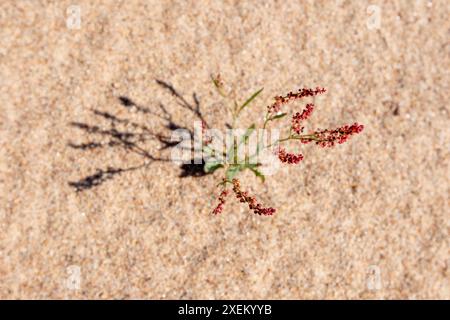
{"x": 232, "y": 161}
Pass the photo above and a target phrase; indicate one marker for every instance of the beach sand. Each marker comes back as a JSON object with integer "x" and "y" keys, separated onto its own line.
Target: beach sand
{"x": 368, "y": 219}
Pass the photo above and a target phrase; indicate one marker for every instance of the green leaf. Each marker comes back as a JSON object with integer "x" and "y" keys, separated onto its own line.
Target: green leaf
{"x": 214, "y": 81}
{"x": 232, "y": 172}
{"x": 250, "y": 99}
{"x": 212, "y": 166}
{"x": 218, "y": 87}
{"x": 248, "y": 133}
{"x": 278, "y": 116}
{"x": 208, "y": 151}
{"x": 258, "y": 173}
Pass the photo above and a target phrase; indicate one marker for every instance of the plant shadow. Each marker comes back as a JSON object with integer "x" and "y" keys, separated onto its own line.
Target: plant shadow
{"x": 124, "y": 134}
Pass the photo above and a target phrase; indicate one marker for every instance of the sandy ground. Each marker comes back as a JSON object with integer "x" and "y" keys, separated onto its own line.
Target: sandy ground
{"x": 367, "y": 219}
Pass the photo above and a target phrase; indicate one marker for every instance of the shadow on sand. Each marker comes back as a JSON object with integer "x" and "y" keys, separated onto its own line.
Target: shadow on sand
{"x": 133, "y": 138}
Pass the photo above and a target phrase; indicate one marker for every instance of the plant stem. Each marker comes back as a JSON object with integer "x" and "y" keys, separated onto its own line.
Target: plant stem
{"x": 300, "y": 137}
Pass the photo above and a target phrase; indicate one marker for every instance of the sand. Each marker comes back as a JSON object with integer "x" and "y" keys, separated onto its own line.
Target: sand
{"x": 368, "y": 219}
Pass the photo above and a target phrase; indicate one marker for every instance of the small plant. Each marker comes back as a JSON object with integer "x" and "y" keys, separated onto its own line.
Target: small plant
{"x": 233, "y": 160}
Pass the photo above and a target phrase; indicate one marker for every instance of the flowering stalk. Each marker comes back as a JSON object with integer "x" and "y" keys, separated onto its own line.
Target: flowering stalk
{"x": 302, "y": 93}
{"x": 251, "y": 201}
{"x": 299, "y": 117}
{"x": 327, "y": 138}
{"x": 222, "y": 198}
{"x": 323, "y": 138}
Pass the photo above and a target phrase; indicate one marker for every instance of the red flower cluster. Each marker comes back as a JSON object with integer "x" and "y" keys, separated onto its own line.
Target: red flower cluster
{"x": 222, "y": 198}
{"x": 305, "y": 92}
{"x": 328, "y": 138}
{"x": 324, "y": 138}
{"x": 289, "y": 157}
{"x": 299, "y": 117}
{"x": 252, "y": 203}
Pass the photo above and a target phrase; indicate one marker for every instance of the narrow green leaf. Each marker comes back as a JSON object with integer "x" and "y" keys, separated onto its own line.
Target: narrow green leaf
{"x": 248, "y": 133}
{"x": 258, "y": 173}
{"x": 218, "y": 87}
{"x": 278, "y": 116}
{"x": 208, "y": 151}
{"x": 250, "y": 99}
{"x": 232, "y": 172}
{"x": 212, "y": 166}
